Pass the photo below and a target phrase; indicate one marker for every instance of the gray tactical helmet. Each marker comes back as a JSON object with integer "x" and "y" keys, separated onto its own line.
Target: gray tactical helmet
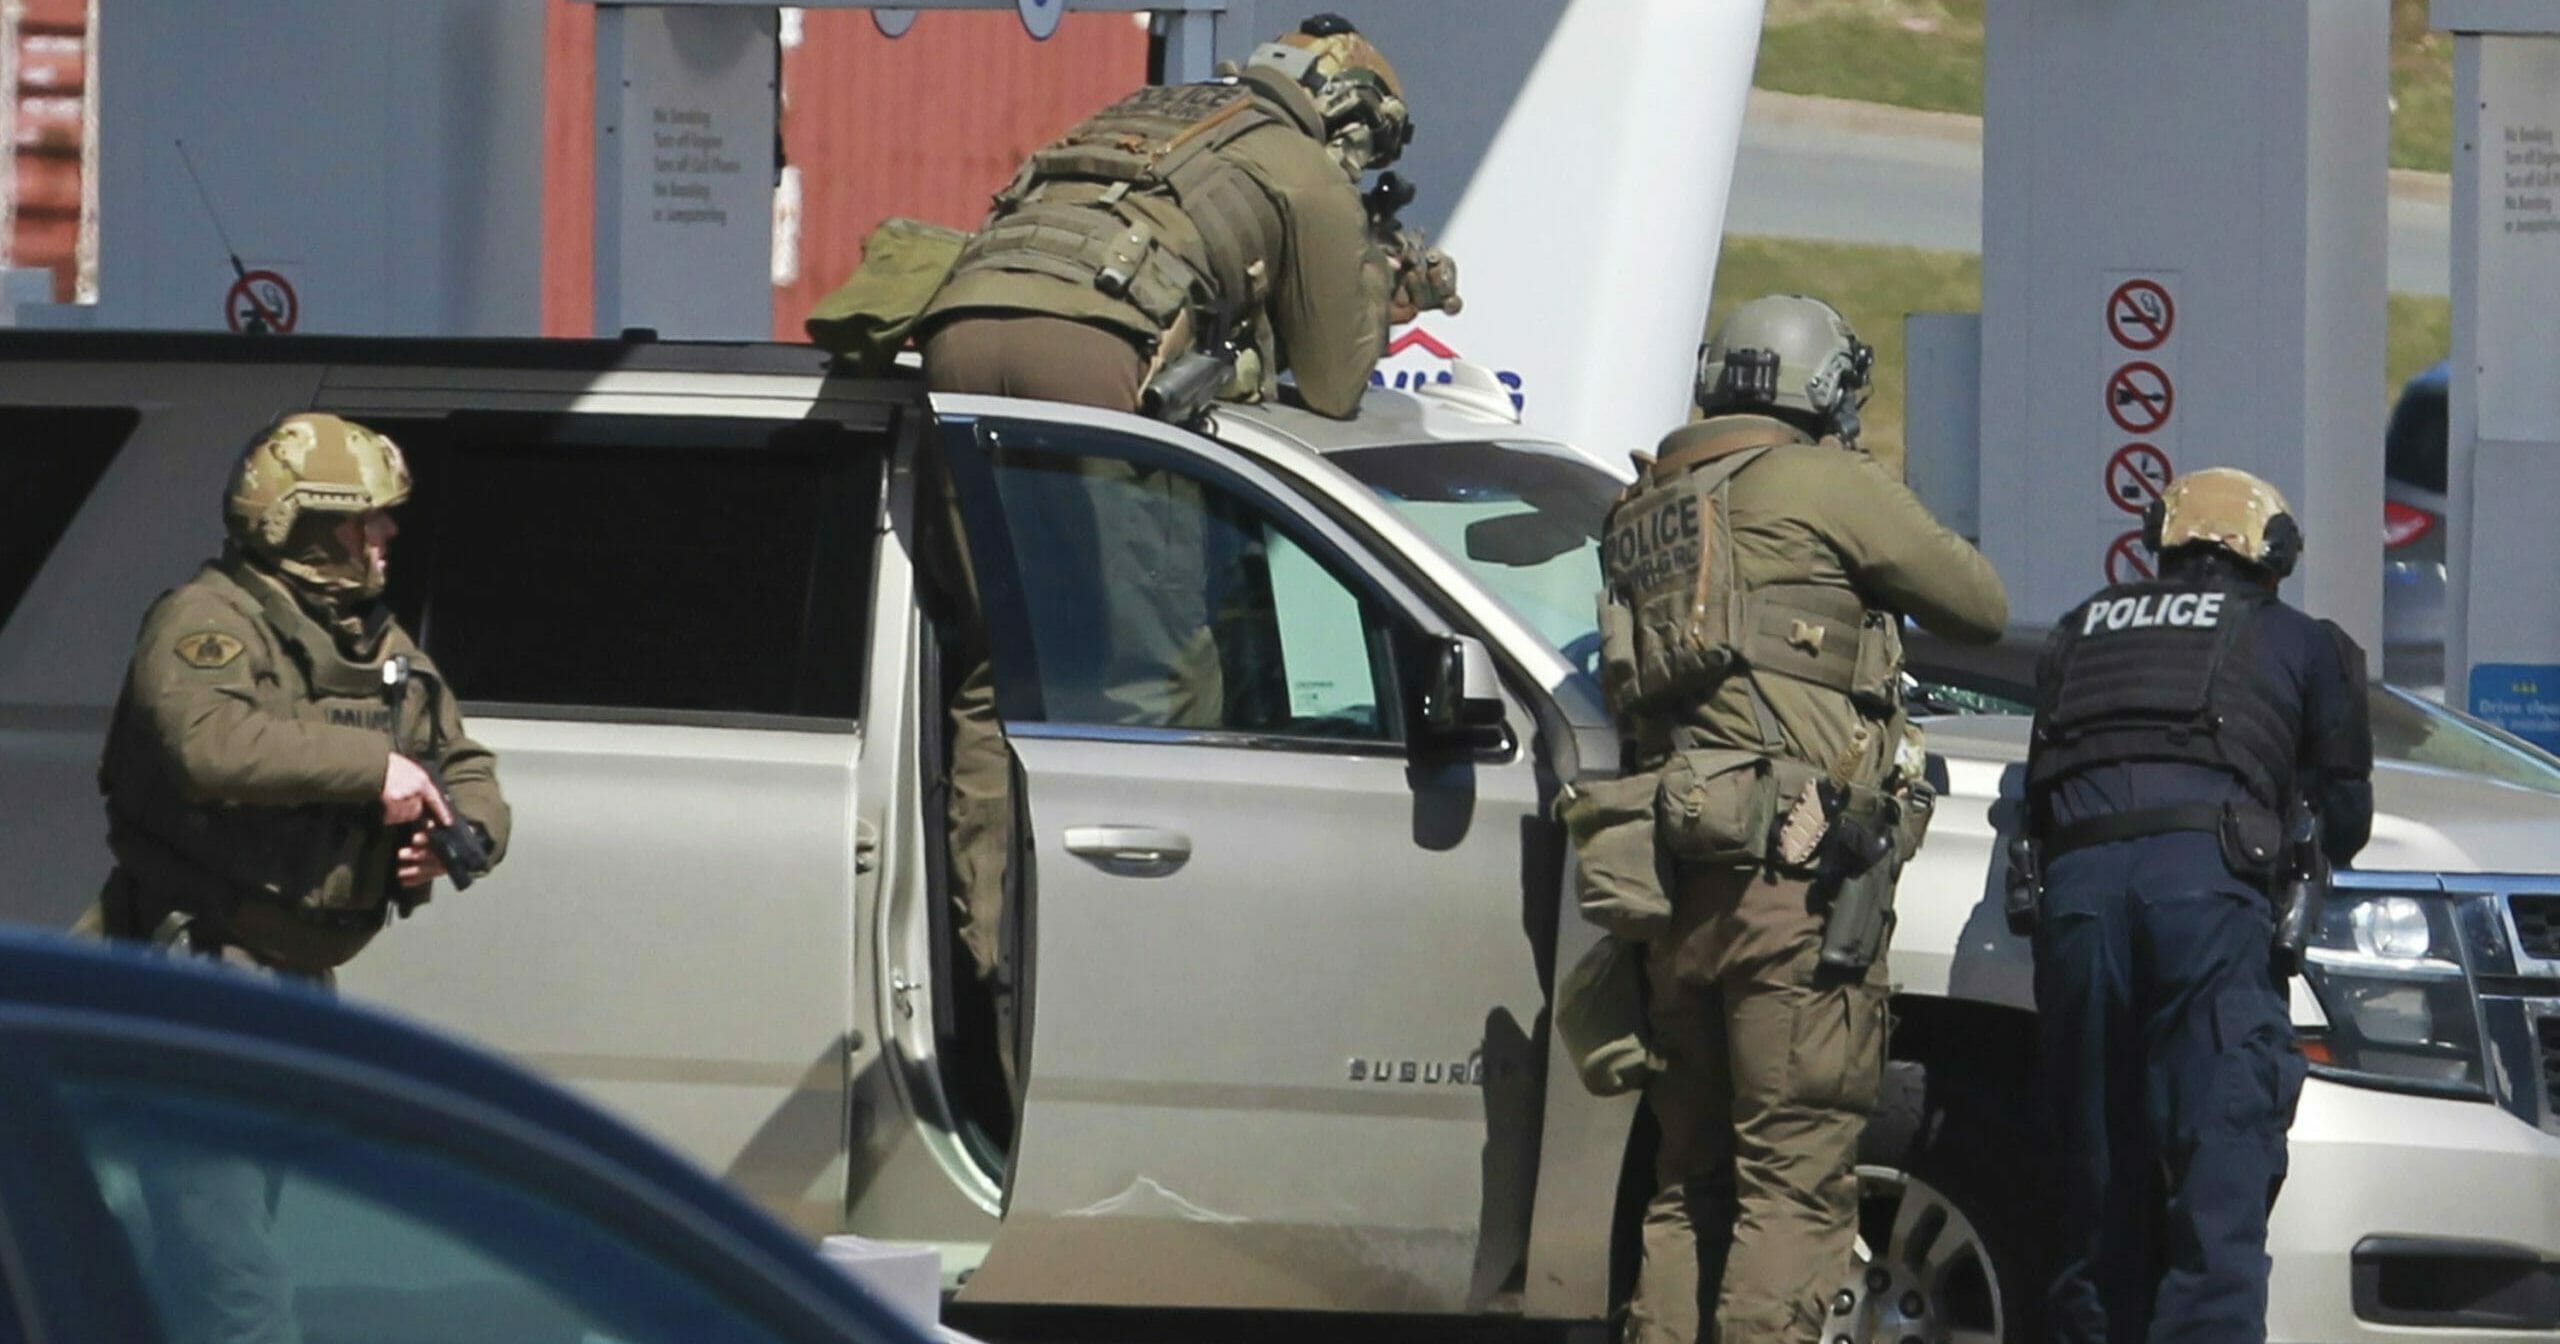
{"x": 1787, "y": 352}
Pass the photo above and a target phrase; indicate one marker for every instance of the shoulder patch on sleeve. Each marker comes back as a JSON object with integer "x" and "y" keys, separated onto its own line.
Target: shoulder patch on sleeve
{"x": 208, "y": 650}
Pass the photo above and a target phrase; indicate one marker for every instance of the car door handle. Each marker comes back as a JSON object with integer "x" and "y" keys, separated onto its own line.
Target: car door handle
{"x": 1139, "y": 851}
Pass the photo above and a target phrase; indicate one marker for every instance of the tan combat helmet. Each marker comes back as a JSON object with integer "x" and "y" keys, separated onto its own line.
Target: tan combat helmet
{"x": 2228, "y": 508}
{"x": 1788, "y": 352}
{"x": 312, "y": 465}
{"x": 1356, "y": 94}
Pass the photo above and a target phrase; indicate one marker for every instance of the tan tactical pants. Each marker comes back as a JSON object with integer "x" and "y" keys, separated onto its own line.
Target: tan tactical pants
{"x": 1010, "y": 355}
{"x": 1037, "y": 356}
{"x": 1161, "y": 667}
{"x": 978, "y": 805}
{"x": 979, "y": 813}
{"x": 1771, "y": 1069}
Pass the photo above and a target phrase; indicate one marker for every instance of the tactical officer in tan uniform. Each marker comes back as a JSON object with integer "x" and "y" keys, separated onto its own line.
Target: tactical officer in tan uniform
{"x": 1204, "y": 237}
{"x": 1198, "y": 217}
{"x": 269, "y": 797}
{"x": 1757, "y": 575}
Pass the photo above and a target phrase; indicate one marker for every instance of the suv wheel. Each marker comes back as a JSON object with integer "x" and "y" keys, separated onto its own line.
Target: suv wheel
{"x": 1924, "y": 1272}
{"x": 1941, "y": 1241}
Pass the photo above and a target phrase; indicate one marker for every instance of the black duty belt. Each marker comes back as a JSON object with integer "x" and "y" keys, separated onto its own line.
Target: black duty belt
{"x": 2133, "y": 824}
{"x": 164, "y": 856}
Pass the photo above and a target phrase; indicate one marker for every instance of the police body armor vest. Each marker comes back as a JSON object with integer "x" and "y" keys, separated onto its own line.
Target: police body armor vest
{"x": 328, "y": 864}
{"x": 1675, "y": 623}
{"x": 1137, "y": 202}
{"x": 2167, "y": 672}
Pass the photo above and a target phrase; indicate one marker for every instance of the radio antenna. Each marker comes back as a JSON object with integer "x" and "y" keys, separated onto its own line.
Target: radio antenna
{"x": 257, "y": 311}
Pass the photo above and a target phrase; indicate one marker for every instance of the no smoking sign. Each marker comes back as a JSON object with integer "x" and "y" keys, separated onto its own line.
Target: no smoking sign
{"x": 2140, "y": 315}
{"x": 262, "y": 302}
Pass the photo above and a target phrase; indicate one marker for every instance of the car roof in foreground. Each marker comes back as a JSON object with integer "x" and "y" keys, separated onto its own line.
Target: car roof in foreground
{"x": 43, "y": 973}
{"x": 1392, "y": 418}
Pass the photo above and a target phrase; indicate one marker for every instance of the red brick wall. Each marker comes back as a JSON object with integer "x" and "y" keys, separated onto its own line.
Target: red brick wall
{"x": 52, "y": 54}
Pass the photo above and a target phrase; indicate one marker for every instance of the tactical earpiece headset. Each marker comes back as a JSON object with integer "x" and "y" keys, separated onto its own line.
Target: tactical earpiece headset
{"x": 1751, "y": 375}
{"x": 2280, "y": 545}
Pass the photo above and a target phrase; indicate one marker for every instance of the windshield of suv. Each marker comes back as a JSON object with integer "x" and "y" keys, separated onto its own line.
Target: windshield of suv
{"x": 1524, "y": 518}
{"x": 2410, "y": 728}
{"x": 2406, "y": 727}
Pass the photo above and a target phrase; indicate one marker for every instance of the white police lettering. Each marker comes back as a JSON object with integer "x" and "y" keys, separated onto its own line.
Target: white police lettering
{"x": 2192, "y": 611}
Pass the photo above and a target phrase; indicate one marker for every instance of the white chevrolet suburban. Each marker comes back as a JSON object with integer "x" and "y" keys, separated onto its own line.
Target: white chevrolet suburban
{"x": 1285, "y": 975}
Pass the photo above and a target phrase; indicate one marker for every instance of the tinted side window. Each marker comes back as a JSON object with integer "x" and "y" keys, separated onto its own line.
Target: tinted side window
{"x": 641, "y": 563}
{"x": 1156, "y": 598}
{"x": 50, "y": 459}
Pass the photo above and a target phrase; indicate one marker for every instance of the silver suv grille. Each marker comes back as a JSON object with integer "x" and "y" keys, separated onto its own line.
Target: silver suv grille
{"x": 2548, "y": 1029}
{"x": 2537, "y": 925}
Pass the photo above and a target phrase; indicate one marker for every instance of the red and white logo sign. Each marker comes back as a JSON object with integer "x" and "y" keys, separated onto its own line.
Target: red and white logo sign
{"x": 1418, "y": 339}
{"x": 1415, "y": 358}
{"x": 2128, "y": 560}
{"x": 2137, "y": 475}
{"x": 262, "y": 301}
{"x": 2140, "y": 315}
{"x": 2140, "y": 397}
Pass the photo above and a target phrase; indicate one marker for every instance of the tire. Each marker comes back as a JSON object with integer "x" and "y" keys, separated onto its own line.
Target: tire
{"x": 1945, "y": 1221}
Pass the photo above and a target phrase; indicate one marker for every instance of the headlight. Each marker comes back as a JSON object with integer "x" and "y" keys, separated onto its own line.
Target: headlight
{"x": 2391, "y": 928}
{"x": 2389, "y": 976}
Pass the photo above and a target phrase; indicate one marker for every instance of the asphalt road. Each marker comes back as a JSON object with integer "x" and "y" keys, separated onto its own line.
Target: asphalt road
{"x": 1855, "y": 173}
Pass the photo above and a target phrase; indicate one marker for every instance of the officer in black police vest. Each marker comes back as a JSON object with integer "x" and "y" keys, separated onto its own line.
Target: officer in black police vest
{"x": 2184, "y": 726}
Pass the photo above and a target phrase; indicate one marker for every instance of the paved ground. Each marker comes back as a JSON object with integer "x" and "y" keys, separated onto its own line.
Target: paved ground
{"x": 1860, "y": 173}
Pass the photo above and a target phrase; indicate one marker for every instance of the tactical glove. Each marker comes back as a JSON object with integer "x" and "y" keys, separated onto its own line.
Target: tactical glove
{"x": 1426, "y": 277}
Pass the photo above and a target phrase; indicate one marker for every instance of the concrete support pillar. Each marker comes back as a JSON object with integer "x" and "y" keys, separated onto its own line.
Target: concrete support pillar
{"x": 686, "y": 117}
{"x": 2502, "y": 644}
{"x": 2183, "y": 244}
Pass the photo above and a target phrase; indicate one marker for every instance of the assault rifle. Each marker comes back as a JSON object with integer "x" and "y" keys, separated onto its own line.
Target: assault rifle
{"x": 1426, "y": 278}
{"x": 1183, "y": 390}
{"x": 1385, "y": 200}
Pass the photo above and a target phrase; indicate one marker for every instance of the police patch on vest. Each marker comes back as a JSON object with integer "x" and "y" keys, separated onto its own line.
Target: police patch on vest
{"x": 2186, "y": 611}
{"x": 1657, "y": 546}
{"x": 209, "y": 650}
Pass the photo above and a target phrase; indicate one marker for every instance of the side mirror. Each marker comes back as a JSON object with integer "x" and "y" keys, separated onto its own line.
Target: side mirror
{"x": 1461, "y": 694}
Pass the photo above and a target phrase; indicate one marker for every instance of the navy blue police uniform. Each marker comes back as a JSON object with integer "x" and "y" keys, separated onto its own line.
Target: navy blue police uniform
{"x": 2179, "y": 722}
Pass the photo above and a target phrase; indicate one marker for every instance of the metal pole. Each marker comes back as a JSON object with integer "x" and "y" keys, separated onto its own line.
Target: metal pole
{"x": 10, "y": 12}
{"x": 2462, "y": 410}
{"x": 612, "y": 77}
{"x": 84, "y": 286}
